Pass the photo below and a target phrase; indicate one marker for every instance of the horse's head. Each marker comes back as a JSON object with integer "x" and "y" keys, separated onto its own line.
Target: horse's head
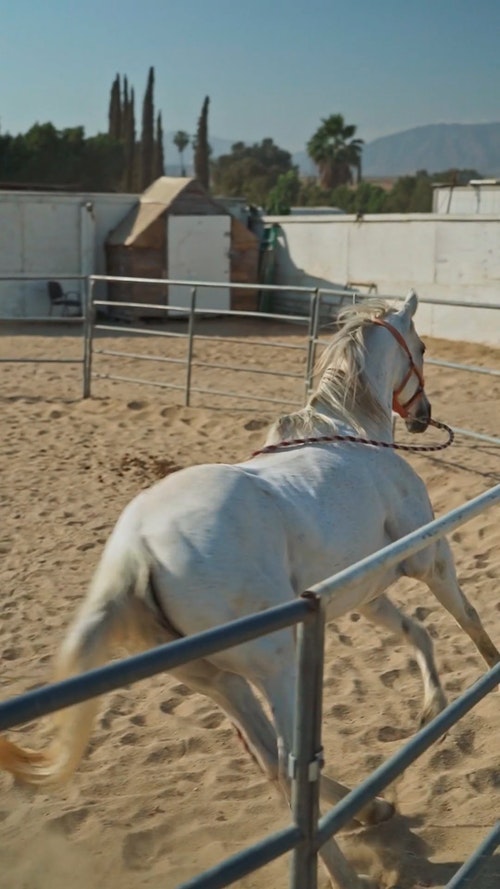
{"x": 409, "y": 398}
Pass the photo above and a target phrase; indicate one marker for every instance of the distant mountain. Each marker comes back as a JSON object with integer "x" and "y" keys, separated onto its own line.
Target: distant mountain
{"x": 435, "y": 148}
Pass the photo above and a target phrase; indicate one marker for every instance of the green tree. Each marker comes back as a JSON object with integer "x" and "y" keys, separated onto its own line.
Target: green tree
{"x": 147, "y": 134}
{"x": 410, "y": 194}
{"x": 181, "y": 142}
{"x": 454, "y": 176}
{"x": 158, "y": 155}
{"x": 102, "y": 164}
{"x": 336, "y": 152}
{"x": 66, "y": 158}
{"x": 366, "y": 198}
{"x": 202, "y": 148}
{"x": 115, "y": 110}
{"x": 251, "y": 171}
{"x": 284, "y": 194}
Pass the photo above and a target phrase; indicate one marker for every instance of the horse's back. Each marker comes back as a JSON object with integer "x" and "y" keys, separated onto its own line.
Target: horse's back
{"x": 246, "y": 536}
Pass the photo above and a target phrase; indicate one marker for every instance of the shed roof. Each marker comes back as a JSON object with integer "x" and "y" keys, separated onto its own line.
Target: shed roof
{"x": 155, "y": 201}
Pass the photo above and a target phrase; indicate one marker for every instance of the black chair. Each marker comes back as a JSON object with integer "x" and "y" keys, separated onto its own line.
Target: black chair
{"x": 68, "y": 300}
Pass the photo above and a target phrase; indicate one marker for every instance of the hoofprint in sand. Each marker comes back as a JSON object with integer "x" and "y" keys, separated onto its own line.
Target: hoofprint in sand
{"x": 166, "y": 789}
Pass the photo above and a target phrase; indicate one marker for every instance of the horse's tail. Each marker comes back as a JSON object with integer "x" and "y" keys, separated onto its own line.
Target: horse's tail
{"x": 115, "y": 611}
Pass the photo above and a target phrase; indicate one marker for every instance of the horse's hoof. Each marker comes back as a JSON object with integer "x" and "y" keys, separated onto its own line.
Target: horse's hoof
{"x": 433, "y": 709}
{"x": 378, "y": 811}
{"x": 362, "y": 882}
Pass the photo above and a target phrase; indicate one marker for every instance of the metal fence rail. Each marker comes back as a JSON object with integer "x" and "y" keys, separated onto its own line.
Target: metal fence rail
{"x": 72, "y": 319}
{"x": 308, "y": 832}
{"x": 193, "y": 312}
{"x": 313, "y": 340}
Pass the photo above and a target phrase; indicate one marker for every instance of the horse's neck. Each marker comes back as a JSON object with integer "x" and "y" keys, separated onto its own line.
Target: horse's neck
{"x": 322, "y": 417}
{"x": 358, "y": 421}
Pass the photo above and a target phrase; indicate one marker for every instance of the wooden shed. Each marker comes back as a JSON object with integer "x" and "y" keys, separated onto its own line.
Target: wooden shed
{"x": 177, "y": 231}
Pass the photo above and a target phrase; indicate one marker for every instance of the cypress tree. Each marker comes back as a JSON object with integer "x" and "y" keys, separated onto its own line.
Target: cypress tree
{"x": 115, "y": 110}
{"x": 129, "y": 138}
{"x": 124, "y": 104}
{"x": 159, "y": 152}
{"x": 147, "y": 135}
{"x": 202, "y": 148}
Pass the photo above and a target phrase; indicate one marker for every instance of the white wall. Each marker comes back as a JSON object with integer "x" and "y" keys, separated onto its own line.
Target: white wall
{"x": 48, "y": 234}
{"x": 483, "y": 198}
{"x": 448, "y": 258}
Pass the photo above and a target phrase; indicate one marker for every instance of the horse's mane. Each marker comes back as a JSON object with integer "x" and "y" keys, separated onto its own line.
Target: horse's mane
{"x": 343, "y": 386}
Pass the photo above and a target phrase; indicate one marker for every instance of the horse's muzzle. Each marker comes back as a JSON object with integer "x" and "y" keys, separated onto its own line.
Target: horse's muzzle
{"x": 422, "y": 416}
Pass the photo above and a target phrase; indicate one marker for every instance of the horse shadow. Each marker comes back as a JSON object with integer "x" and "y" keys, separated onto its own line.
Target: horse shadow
{"x": 405, "y": 857}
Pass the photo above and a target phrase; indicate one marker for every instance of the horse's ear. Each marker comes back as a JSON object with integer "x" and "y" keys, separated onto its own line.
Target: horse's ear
{"x": 410, "y": 304}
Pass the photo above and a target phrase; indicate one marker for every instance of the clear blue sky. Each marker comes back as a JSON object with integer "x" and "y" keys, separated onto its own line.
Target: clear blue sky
{"x": 270, "y": 68}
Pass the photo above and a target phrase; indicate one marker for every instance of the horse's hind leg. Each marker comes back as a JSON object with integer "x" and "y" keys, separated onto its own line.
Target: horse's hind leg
{"x": 383, "y": 612}
{"x": 376, "y": 811}
{"x": 442, "y": 580}
{"x": 278, "y": 687}
{"x": 235, "y": 696}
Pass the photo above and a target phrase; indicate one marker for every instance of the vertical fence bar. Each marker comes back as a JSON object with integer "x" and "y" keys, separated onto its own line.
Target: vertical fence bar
{"x": 88, "y": 330}
{"x": 306, "y": 759}
{"x": 192, "y": 306}
{"x": 314, "y": 338}
{"x": 310, "y": 343}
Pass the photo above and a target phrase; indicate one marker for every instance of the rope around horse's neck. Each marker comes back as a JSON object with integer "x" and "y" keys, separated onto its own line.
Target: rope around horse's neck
{"x": 356, "y": 439}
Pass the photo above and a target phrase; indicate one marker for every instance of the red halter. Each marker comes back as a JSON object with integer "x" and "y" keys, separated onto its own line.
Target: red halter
{"x": 402, "y": 409}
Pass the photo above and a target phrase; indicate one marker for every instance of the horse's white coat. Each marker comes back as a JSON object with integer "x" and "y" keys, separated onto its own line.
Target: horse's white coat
{"x": 212, "y": 543}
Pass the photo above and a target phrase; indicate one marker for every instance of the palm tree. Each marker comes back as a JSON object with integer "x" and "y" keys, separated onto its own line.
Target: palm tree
{"x": 181, "y": 142}
{"x": 335, "y": 152}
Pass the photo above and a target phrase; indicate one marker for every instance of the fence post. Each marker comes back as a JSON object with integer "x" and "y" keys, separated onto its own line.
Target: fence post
{"x": 192, "y": 307}
{"x": 306, "y": 759}
{"x": 311, "y": 334}
{"x": 87, "y": 333}
{"x": 313, "y": 341}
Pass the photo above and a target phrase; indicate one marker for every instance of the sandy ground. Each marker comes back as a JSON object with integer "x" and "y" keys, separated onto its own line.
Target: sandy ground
{"x": 166, "y": 789}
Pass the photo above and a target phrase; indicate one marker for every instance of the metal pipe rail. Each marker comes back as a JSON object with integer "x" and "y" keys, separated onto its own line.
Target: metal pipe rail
{"x": 475, "y": 863}
{"x": 41, "y": 360}
{"x": 472, "y": 368}
{"x": 42, "y": 277}
{"x": 307, "y": 833}
{"x": 57, "y": 696}
{"x": 46, "y": 700}
{"x": 216, "y": 365}
{"x": 182, "y": 281}
{"x": 342, "y": 583}
{"x": 217, "y": 313}
{"x": 193, "y": 312}
{"x": 348, "y": 807}
{"x": 427, "y": 300}
{"x": 315, "y": 340}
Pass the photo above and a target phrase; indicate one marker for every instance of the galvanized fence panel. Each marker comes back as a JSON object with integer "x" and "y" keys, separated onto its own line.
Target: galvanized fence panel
{"x": 308, "y": 832}
{"x": 336, "y": 298}
{"x": 48, "y": 359}
{"x": 193, "y": 312}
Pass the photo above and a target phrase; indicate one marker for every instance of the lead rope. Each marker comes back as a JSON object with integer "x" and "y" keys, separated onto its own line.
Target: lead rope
{"x": 356, "y": 439}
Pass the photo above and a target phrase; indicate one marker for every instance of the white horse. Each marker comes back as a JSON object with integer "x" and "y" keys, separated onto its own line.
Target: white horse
{"x": 212, "y": 543}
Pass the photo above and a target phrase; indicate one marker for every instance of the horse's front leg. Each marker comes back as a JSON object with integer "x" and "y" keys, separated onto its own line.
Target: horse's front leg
{"x": 383, "y": 612}
{"x": 441, "y": 579}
